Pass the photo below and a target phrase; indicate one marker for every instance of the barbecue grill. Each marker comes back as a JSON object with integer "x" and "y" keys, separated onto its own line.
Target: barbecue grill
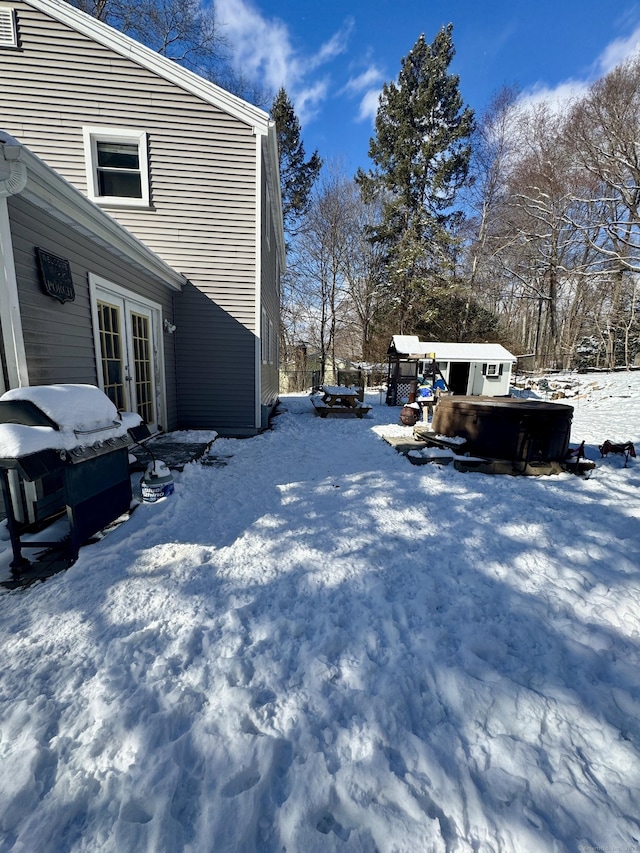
{"x": 63, "y": 448}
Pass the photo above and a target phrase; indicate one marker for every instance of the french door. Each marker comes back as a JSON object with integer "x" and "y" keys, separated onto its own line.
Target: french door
{"x": 127, "y": 353}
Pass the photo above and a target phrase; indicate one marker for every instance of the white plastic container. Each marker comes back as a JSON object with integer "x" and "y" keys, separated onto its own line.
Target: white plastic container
{"x": 157, "y": 482}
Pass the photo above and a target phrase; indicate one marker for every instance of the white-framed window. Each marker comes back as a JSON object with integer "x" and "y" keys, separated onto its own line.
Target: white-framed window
{"x": 272, "y": 344}
{"x": 8, "y": 29}
{"x": 117, "y": 166}
{"x": 492, "y": 370}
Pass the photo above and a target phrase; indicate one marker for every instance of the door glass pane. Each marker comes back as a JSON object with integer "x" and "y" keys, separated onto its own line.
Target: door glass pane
{"x": 110, "y": 325}
{"x": 142, "y": 366}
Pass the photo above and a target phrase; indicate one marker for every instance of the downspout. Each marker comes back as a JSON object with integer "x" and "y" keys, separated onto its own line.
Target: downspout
{"x": 13, "y": 179}
{"x": 258, "y": 299}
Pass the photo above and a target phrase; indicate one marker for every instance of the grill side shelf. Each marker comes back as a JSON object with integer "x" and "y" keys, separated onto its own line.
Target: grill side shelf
{"x": 32, "y": 466}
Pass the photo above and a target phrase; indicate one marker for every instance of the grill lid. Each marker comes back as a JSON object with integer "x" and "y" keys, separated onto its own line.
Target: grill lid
{"x": 76, "y": 407}
{"x": 59, "y": 417}
{"x": 24, "y": 412}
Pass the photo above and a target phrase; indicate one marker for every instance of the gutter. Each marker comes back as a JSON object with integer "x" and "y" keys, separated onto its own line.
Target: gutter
{"x": 13, "y": 179}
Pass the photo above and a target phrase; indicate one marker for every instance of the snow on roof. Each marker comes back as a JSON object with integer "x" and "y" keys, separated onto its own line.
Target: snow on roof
{"x": 451, "y": 351}
{"x": 467, "y": 352}
{"x": 406, "y": 344}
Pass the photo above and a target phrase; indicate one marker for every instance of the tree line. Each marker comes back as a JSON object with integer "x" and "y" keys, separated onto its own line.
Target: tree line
{"x": 521, "y": 226}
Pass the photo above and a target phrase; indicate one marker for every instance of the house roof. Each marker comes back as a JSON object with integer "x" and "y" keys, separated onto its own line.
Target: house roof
{"x": 131, "y": 49}
{"x": 49, "y": 191}
{"x": 411, "y": 345}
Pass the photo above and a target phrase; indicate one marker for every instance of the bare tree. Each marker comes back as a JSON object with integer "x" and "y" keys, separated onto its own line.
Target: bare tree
{"x": 364, "y": 263}
{"x": 529, "y": 256}
{"x": 603, "y": 130}
{"x": 186, "y": 31}
{"x": 317, "y": 263}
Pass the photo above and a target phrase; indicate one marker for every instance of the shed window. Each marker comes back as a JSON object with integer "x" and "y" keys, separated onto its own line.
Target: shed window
{"x": 492, "y": 370}
{"x": 8, "y": 31}
{"x": 117, "y": 167}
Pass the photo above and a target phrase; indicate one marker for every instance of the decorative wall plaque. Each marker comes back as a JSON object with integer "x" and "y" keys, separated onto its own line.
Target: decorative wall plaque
{"x": 56, "y": 276}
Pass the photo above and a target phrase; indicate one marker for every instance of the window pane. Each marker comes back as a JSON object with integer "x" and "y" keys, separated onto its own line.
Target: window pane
{"x": 121, "y": 184}
{"x": 112, "y": 368}
{"x": 141, "y": 333}
{"x": 118, "y": 156}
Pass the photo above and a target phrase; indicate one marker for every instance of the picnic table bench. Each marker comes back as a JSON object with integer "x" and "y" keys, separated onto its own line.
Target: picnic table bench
{"x": 339, "y": 400}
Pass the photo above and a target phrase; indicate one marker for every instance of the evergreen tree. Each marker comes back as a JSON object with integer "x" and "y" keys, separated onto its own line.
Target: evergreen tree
{"x": 297, "y": 175}
{"x": 421, "y": 154}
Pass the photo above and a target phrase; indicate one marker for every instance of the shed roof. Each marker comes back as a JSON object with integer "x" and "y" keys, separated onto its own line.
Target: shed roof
{"x": 411, "y": 345}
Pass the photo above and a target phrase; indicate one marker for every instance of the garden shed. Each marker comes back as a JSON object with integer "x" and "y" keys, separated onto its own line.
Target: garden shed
{"x": 471, "y": 369}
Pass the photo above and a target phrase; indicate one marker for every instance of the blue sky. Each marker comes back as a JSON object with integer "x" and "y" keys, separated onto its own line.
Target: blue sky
{"x": 333, "y": 57}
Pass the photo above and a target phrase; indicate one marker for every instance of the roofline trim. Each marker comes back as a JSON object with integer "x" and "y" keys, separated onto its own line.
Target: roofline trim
{"x": 155, "y": 62}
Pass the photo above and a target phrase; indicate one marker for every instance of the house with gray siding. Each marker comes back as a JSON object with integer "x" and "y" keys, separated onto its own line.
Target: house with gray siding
{"x": 186, "y": 167}
{"x": 67, "y": 268}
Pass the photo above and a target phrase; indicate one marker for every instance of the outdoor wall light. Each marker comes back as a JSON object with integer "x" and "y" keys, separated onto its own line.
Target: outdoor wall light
{"x": 169, "y": 327}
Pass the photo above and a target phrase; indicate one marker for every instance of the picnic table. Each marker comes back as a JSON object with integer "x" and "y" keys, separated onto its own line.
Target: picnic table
{"x": 338, "y": 399}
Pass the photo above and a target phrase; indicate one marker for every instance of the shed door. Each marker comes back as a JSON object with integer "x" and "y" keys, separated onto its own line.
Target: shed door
{"x": 459, "y": 376}
{"x": 126, "y": 331}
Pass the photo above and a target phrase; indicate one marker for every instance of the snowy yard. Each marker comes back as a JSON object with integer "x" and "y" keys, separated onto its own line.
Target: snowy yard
{"x": 320, "y": 647}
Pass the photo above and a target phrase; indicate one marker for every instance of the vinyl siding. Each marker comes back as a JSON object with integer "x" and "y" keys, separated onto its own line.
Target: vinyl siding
{"x": 59, "y": 337}
{"x": 202, "y": 161}
{"x": 220, "y": 393}
{"x": 270, "y": 302}
{"x": 202, "y": 220}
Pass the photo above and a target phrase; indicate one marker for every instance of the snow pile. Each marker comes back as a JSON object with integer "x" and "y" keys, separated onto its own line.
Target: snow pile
{"x": 320, "y": 646}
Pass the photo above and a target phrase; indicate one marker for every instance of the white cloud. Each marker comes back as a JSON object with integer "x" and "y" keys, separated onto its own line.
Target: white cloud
{"x": 364, "y": 81}
{"x": 263, "y": 51}
{"x": 618, "y": 51}
{"x": 367, "y": 85}
{"x": 369, "y": 105}
{"x": 336, "y": 45}
{"x": 558, "y": 97}
{"x": 308, "y": 100}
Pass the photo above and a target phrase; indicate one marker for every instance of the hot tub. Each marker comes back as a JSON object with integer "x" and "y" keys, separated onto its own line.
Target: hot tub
{"x": 506, "y": 427}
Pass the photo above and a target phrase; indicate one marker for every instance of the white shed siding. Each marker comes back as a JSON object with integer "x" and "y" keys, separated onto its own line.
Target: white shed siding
{"x": 207, "y": 230}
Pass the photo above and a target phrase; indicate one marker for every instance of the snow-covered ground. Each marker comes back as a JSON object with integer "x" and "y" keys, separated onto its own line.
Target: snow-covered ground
{"x": 320, "y": 647}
